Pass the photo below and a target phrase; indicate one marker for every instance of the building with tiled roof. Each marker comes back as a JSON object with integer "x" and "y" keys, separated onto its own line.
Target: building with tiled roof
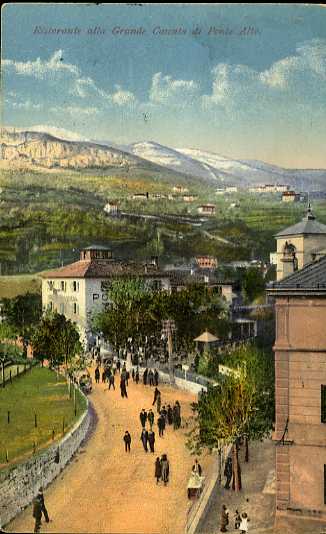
{"x": 298, "y": 244}
{"x": 79, "y": 289}
{"x": 300, "y": 391}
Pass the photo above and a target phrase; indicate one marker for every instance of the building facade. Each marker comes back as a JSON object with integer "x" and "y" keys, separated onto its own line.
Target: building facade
{"x": 300, "y": 391}
{"x": 79, "y": 290}
{"x": 299, "y": 244}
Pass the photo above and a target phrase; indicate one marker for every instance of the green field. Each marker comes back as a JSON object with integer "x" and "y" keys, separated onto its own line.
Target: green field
{"x": 37, "y": 392}
{"x": 11, "y": 286}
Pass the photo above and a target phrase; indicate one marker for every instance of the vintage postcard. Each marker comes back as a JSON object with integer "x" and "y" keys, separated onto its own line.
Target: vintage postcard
{"x": 163, "y": 268}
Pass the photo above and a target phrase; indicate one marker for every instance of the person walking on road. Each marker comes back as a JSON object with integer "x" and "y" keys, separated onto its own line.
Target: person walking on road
{"x": 158, "y": 402}
{"x": 151, "y": 440}
{"x": 170, "y": 415}
{"x": 158, "y": 470}
{"x": 137, "y": 376}
{"x": 103, "y": 377}
{"x": 224, "y": 519}
{"x": 151, "y": 377}
{"x": 228, "y": 472}
{"x": 244, "y": 523}
{"x": 156, "y": 376}
{"x": 111, "y": 381}
{"x": 97, "y": 375}
{"x": 150, "y": 417}
{"x": 143, "y": 417}
{"x": 156, "y": 393}
{"x": 43, "y": 507}
{"x": 123, "y": 388}
{"x": 144, "y": 439}
{"x": 161, "y": 425}
{"x": 127, "y": 440}
{"x": 145, "y": 377}
{"x": 196, "y": 468}
{"x": 37, "y": 513}
{"x": 165, "y": 469}
{"x": 118, "y": 366}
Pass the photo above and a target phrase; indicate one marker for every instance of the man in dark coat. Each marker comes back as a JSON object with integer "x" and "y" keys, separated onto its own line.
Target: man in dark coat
{"x": 97, "y": 375}
{"x": 196, "y": 468}
{"x": 123, "y": 388}
{"x": 43, "y": 508}
{"x": 143, "y": 417}
{"x": 156, "y": 393}
{"x": 103, "y": 376}
{"x": 228, "y": 472}
{"x": 165, "y": 469}
{"x": 145, "y": 377}
{"x": 151, "y": 377}
{"x": 150, "y": 417}
{"x": 161, "y": 425}
{"x": 111, "y": 381}
{"x": 137, "y": 376}
{"x": 156, "y": 377}
{"x": 164, "y": 412}
{"x": 127, "y": 440}
{"x": 224, "y": 518}
{"x": 151, "y": 440}
{"x": 37, "y": 513}
{"x": 170, "y": 415}
{"x": 158, "y": 470}
{"x": 118, "y": 366}
{"x": 144, "y": 439}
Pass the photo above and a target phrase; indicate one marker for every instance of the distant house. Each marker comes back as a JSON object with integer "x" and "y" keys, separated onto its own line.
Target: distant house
{"x": 206, "y": 262}
{"x": 180, "y": 189}
{"x": 207, "y": 209}
{"x": 231, "y": 189}
{"x": 269, "y": 188}
{"x": 189, "y": 198}
{"x": 140, "y": 196}
{"x": 290, "y": 196}
{"x": 112, "y": 208}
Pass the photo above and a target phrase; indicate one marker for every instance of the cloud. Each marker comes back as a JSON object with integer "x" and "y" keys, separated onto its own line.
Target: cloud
{"x": 166, "y": 91}
{"x": 42, "y": 69}
{"x": 122, "y": 97}
{"x": 75, "y": 110}
{"x": 26, "y": 105}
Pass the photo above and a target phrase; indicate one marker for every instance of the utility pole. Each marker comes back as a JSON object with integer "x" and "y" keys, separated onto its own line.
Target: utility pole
{"x": 168, "y": 328}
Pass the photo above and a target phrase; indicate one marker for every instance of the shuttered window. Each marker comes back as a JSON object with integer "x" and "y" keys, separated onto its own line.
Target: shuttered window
{"x": 323, "y": 403}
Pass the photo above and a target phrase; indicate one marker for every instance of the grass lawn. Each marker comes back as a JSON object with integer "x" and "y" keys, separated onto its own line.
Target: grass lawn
{"x": 13, "y": 369}
{"x": 11, "y": 286}
{"x": 38, "y": 391}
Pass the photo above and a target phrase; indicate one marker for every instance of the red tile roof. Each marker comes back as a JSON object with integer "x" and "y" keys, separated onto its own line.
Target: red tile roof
{"x": 103, "y": 269}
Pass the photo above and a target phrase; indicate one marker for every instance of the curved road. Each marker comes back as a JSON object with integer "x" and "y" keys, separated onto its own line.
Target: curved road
{"x": 105, "y": 489}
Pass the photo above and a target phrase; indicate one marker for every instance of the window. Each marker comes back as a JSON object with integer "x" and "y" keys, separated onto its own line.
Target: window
{"x": 63, "y": 285}
{"x": 323, "y": 403}
{"x": 76, "y": 308}
{"x": 75, "y": 286}
{"x": 96, "y": 296}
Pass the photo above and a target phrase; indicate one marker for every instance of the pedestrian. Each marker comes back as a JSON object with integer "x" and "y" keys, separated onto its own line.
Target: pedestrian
{"x": 244, "y": 523}
{"x": 127, "y": 440}
{"x": 164, "y": 412}
{"x": 133, "y": 374}
{"x": 158, "y": 470}
{"x": 108, "y": 373}
{"x": 103, "y": 377}
{"x": 144, "y": 439}
{"x": 145, "y": 377}
{"x": 170, "y": 415}
{"x": 151, "y": 377}
{"x": 150, "y": 417}
{"x": 37, "y": 513}
{"x": 196, "y": 468}
{"x": 118, "y": 366}
{"x": 43, "y": 508}
{"x": 177, "y": 403}
{"x": 165, "y": 466}
{"x": 228, "y": 472}
{"x": 224, "y": 518}
{"x": 123, "y": 388}
{"x": 156, "y": 393}
{"x": 161, "y": 425}
{"x": 114, "y": 367}
{"x": 137, "y": 376}
{"x": 158, "y": 402}
{"x": 151, "y": 440}
{"x": 237, "y": 520}
{"x": 127, "y": 377}
{"x": 156, "y": 376}
{"x": 111, "y": 382}
{"x": 143, "y": 417}
{"x": 97, "y": 375}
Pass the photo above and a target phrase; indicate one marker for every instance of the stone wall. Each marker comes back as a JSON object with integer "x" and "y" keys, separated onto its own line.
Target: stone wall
{"x": 20, "y": 483}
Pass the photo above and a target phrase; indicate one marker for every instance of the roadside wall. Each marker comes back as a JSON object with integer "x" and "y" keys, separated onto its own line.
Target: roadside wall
{"x": 20, "y": 483}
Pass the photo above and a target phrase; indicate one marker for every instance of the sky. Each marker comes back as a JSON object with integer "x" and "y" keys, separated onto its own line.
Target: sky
{"x": 241, "y": 80}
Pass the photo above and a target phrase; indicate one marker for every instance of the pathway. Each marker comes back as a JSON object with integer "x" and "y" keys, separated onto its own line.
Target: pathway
{"x": 105, "y": 489}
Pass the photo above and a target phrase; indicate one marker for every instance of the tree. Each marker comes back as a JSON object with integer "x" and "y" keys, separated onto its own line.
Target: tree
{"x": 22, "y": 314}
{"x": 56, "y": 339}
{"x": 240, "y": 406}
{"x": 253, "y": 283}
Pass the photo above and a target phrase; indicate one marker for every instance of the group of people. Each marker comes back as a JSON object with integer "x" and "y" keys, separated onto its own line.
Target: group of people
{"x": 240, "y": 520}
{"x": 162, "y": 469}
{"x": 150, "y": 377}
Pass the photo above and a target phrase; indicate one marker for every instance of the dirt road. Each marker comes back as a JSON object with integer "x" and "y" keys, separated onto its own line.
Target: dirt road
{"x": 105, "y": 489}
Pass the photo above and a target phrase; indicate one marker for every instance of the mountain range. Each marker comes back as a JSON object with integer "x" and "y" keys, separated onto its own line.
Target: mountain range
{"x": 49, "y": 147}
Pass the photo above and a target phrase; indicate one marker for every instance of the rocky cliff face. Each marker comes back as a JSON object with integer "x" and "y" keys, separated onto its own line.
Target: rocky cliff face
{"x": 41, "y": 149}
